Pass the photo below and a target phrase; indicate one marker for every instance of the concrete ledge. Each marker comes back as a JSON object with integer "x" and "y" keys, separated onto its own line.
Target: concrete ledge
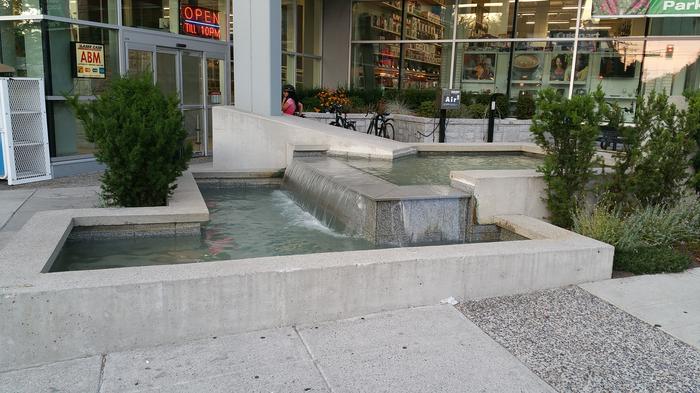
{"x": 59, "y": 316}
{"x": 46, "y": 232}
{"x": 503, "y": 192}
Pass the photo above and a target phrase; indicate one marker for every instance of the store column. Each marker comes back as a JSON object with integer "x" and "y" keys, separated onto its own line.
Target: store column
{"x": 257, "y": 52}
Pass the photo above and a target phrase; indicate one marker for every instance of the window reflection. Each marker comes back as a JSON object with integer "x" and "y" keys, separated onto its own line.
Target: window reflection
{"x": 540, "y": 19}
{"x": 481, "y": 67}
{"x": 484, "y": 19}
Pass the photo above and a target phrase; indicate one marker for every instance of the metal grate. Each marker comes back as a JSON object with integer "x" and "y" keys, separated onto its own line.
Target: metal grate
{"x": 25, "y": 95}
{"x": 23, "y": 129}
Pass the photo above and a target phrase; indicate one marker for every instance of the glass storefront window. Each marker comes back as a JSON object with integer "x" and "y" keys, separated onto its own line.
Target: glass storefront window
{"x": 482, "y": 67}
{"x": 426, "y": 65}
{"x": 538, "y": 65}
{"x": 541, "y": 19}
{"x": 375, "y": 66}
{"x": 485, "y": 19}
{"x": 192, "y": 78}
{"x": 22, "y": 48}
{"x": 63, "y": 80}
{"x": 376, "y": 20}
{"x": 140, "y": 62}
{"x": 69, "y": 134}
{"x": 215, "y": 81}
{"x": 671, "y": 66}
{"x": 603, "y": 28}
{"x": 104, "y": 11}
{"x": 615, "y": 66}
{"x": 310, "y": 25}
{"x": 429, "y": 20}
{"x": 168, "y": 15}
{"x": 20, "y": 7}
{"x": 674, "y": 26}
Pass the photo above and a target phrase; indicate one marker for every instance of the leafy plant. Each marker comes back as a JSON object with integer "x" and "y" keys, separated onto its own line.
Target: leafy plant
{"x": 693, "y": 121}
{"x": 427, "y": 109}
{"x": 476, "y": 111}
{"x": 139, "y": 135}
{"x": 651, "y": 260}
{"x": 566, "y": 130}
{"x": 525, "y": 107}
{"x": 330, "y": 98}
{"x": 646, "y": 238}
{"x": 398, "y": 107}
{"x": 652, "y": 167}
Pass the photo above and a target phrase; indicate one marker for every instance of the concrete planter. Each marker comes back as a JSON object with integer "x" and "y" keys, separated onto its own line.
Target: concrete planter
{"x": 412, "y": 129}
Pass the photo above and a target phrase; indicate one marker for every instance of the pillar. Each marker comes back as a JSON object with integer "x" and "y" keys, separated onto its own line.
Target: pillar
{"x": 257, "y": 53}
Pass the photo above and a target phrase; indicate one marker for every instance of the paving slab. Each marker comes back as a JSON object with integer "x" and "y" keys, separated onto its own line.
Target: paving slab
{"x": 580, "y": 343}
{"x": 53, "y": 199}
{"x": 79, "y": 376}
{"x": 670, "y": 302}
{"x": 427, "y": 349}
{"x": 10, "y": 201}
{"x": 264, "y": 361}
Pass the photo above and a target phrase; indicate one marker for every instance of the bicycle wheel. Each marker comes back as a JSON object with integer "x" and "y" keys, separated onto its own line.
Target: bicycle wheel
{"x": 351, "y": 126}
{"x": 388, "y": 126}
{"x": 334, "y": 123}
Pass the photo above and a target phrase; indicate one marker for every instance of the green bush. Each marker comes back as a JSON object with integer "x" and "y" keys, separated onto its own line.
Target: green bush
{"x": 476, "y": 111}
{"x": 644, "y": 236}
{"x": 311, "y": 103}
{"x": 653, "y": 166}
{"x": 427, "y": 109}
{"x": 525, "y": 107}
{"x": 415, "y": 97}
{"x": 139, "y": 135}
{"x": 357, "y": 104}
{"x": 566, "y": 130}
{"x": 503, "y": 105}
{"x": 651, "y": 260}
{"x": 693, "y": 122}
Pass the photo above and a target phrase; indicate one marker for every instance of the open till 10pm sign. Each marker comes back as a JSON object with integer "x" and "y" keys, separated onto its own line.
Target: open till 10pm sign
{"x": 89, "y": 60}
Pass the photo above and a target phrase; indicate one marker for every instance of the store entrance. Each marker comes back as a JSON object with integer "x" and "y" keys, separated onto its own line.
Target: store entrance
{"x": 187, "y": 74}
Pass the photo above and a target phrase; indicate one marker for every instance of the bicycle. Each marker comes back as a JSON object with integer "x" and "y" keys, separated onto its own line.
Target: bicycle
{"x": 342, "y": 121}
{"x": 381, "y": 125}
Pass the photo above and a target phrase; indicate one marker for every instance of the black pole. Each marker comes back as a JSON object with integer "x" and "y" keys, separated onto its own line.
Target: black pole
{"x": 443, "y": 125}
{"x": 492, "y": 117}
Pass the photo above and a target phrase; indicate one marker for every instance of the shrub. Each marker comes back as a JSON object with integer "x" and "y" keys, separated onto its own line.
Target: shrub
{"x": 645, "y": 239}
{"x": 357, "y": 103}
{"x": 693, "y": 121}
{"x": 525, "y": 107}
{"x": 502, "y": 106}
{"x": 476, "y": 111}
{"x": 139, "y": 135}
{"x": 398, "y": 107}
{"x": 311, "y": 104}
{"x": 566, "y": 130}
{"x": 329, "y": 98}
{"x": 653, "y": 166}
{"x": 427, "y": 109}
{"x": 651, "y": 260}
{"x": 415, "y": 97}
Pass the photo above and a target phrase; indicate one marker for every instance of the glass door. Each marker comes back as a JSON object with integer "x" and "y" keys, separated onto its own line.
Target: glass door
{"x": 192, "y": 99}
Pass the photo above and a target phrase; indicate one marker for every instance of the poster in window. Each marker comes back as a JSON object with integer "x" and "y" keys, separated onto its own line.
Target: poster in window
{"x": 479, "y": 66}
{"x": 89, "y": 60}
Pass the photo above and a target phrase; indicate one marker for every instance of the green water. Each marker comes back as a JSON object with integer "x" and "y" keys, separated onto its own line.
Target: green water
{"x": 245, "y": 223}
{"x": 435, "y": 168}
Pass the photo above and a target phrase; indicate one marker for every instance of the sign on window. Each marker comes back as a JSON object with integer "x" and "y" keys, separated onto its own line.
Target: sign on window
{"x": 89, "y": 60}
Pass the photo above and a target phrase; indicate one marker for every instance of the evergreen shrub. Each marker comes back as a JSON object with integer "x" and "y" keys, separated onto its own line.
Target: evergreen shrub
{"x": 525, "y": 107}
{"x": 139, "y": 135}
{"x": 566, "y": 130}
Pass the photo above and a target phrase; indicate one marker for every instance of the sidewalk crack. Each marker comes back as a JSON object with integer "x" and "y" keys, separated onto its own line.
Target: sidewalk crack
{"x": 313, "y": 359}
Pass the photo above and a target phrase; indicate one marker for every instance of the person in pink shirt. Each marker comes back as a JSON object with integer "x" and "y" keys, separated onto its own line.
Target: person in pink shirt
{"x": 290, "y": 105}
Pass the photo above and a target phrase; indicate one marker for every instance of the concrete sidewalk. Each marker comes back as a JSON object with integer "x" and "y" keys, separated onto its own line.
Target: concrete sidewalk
{"x": 428, "y": 349}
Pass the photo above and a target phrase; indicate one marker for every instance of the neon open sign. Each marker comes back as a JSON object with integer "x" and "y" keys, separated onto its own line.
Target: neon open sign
{"x": 200, "y": 22}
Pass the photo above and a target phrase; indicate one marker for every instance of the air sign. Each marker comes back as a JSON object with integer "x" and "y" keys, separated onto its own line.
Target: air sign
{"x": 200, "y": 22}
{"x": 89, "y": 60}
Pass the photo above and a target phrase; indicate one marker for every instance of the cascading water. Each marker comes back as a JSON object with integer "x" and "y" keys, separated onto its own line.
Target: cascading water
{"x": 346, "y": 199}
{"x": 333, "y": 203}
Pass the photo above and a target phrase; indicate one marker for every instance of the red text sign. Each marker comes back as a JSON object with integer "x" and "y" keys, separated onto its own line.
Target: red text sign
{"x": 200, "y": 22}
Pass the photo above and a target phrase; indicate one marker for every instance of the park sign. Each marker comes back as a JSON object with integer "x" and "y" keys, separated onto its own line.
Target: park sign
{"x": 88, "y": 60}
{"x": 640, "y": 8}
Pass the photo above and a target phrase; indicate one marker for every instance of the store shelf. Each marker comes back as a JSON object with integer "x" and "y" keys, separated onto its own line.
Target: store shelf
{"x": 423, "y": 18}
{"x": 386, "y": 31}
{"x": 386, "y": 55}
{"x": 387, "y": 5}
{"x": 526, "y": 82}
